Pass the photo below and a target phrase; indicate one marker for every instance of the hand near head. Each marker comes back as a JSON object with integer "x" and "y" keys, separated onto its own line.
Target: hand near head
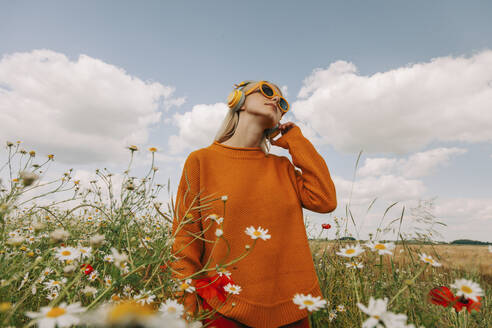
{"x": 284, "y": 128}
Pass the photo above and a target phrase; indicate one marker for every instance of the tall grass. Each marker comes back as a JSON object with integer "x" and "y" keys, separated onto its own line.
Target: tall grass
{"x": 123, "y": 247}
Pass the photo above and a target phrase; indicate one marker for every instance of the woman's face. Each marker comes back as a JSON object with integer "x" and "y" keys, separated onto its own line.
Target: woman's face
{"x": 257, "y": 104}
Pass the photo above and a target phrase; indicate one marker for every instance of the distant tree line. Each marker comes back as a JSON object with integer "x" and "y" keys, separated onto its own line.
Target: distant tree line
{"x": 469, "y": 242}
{"x": 415, "y": 241}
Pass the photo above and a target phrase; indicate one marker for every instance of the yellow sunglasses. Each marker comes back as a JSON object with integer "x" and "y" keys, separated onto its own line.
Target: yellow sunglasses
{"x": 269, "y": 91}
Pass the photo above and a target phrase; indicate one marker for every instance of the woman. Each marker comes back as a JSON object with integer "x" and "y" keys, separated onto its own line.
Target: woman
{"x": 264, "y": 191}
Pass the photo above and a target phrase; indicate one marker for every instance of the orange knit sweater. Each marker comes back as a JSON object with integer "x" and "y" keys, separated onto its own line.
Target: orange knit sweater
{"x": 266, "y": 191}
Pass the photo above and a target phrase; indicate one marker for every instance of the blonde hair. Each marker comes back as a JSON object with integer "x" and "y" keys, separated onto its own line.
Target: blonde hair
{"x": 231, "y": 120}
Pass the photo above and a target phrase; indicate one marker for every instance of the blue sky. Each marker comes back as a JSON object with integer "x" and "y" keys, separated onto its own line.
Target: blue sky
{"x": 409, "y": 83}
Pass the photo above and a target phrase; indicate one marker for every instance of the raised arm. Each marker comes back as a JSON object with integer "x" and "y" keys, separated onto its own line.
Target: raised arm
{"x": 315, "y": 186}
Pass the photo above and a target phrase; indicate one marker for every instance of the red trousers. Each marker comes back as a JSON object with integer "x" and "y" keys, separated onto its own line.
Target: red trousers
{"x": 221, "y": 321}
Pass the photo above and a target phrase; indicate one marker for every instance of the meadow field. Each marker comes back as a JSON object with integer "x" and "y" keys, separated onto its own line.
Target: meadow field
{"x": 402, "y": 274}
{"x": 90, "y": 257}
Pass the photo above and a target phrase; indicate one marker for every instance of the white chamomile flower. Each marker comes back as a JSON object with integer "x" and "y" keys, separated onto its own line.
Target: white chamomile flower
{"x": 376, "y": 310}
{"x": 224, "y": 198}
{"x": 257, "y": 233}
{"x": 93, "y": 275}
{"x": 354, "y": 265}
{"x": 468, "y": 289}
{"x": 186, "y": 286}
{"x": 351, "y": 251}
{"x": 85, "y": 252}
{"x": 118, "y": 257}
{"x": 428, "y": 259}
{"x": 55, "y": 283}
{"x": 123, "y": 266}
{"x": 232, "y": 289}
{"x": 67, "y": 253}
{"x": 52, "y": 294}
{"x": 341, "y": 308}
{"x": 145, "y": 297}
{"x": 108, "y": 281}
{"x": 108, "y": 258}
{"x": 381, "y": 248}
{"x": 58, "y": 316}
{"x": 222, "y": 271}
{"x": 378, "y": 313}
{"x": 332, "y": 315}
{"x": 89, "y": 291}
{"x": 309, "y": 302}
{"x": 172, "y": 307}
{"x": 47, "y": 271}
{"x": 219, "y": 232}
{"x": 127, "y": 290}
{"x": 212, "y": 217}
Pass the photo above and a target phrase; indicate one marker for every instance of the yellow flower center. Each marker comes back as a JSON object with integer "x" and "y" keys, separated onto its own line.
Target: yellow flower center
{"x": 171, "y": 309}
{"x": 427, "y": 259}
{"x": 308, "y": 302}
{"x": 257, "y": 233}
{"x": 350, "y": 251}
{"x": 5, "y": 306}
{"x": 66, "y": 253}
{"x": 56, "y": 312}
{"x": 184, "y": 285}
{"x": 128, "y": 309}
{"x": 466, "y": 289}
{"x": 380, "y": 246}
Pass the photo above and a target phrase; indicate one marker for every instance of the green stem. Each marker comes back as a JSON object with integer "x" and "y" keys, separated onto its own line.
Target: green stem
{"x": 406, "y": 286}
{"x": 356, "y": 293}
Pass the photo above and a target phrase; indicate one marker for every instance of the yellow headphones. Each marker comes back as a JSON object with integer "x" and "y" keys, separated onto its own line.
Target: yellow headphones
{"x": 236, "y": 98}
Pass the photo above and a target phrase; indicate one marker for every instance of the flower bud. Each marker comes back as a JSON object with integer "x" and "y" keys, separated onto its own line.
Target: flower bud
{"x": 96, "y": 240}
{"x": 69, "y": 269}
{"x": 15, "y": 241}
{"x": 28, "y": 178}
{"x": 59, "y": 235}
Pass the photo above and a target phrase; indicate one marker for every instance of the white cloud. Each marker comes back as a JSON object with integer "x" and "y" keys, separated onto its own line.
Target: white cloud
{"x": 417, "y": 165}
{"x": 197, "y": 128}
{"x": 83, "y": 111}
{"x": 377, "y": 166}
{"x": 425, "y": 163}
{"x": 401, "y": 110}
{"x": 389, "y": 187}
{"x": 284, "y": 90}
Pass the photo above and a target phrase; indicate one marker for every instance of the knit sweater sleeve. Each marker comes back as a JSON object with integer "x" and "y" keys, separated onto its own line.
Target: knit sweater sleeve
{"x": 315, "y": 187}
{"x": 186, "y": 248}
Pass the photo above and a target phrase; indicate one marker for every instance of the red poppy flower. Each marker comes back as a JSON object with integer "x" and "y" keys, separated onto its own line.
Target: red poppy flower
{"x": 468, "y": 304}
{"x": 209, "y": 287}
{"x": 441, "y": 296}
{"x": 163, "y": 267}
{"x": 326, "y": 226}
{"x": 444, "y": 297}
{"x": 217, "y": 320}
{"x": 87, "y": 268}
